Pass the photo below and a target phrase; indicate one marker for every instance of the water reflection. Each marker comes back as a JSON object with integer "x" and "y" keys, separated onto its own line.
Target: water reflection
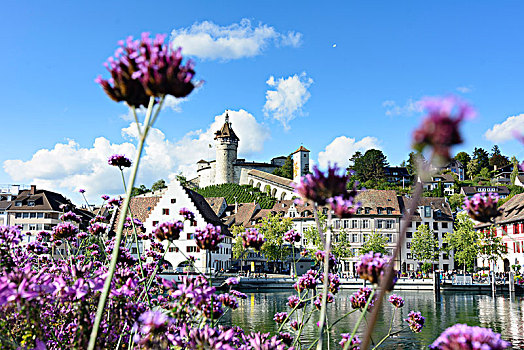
{"x": 501, "y": 313}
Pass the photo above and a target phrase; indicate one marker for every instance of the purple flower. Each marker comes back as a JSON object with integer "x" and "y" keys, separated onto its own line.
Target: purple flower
{"x": 263, "y": 341}
{"x": 292, "y": 236}
{"x": 286, "y": 338}
{"x": 355, "y": 342}
{"x": 462, "y": 336}
{"x": 169, "y": 230}
{"x": 97, "y": 229}
{"x": 344, "y": 206}
{"x": 318, "y": 300}
{"x": 82, "y": 191}
{"x": 238, "y": 294}
{"x": 98, "y": 218}
{"x": 319, "y": 187}
{"x": 231, "y": 281}
{"x": 294, "y": 301}
{"x": 280, "y": 317}
{"x": 119, "y": 161}
{"x": 64, "y": 230}
{"x": 70, "y": 216}
{"x": 372, "y": 267}
{"x": 105, "y": 197}
{"x": 114, "y": 202}
{"x": 309, "y": 280}
{"x": 206, "y": 337}
{"x": 151, "y": 328}
{"x": 294, "y": 324}
{"x": 482, "y": 208}
{"x": 396, "y": 300}
{"x": 320, "y": 255}
{"x": 209, "y": 237}
{"x": 187, "y": 214}
{"x": 146, "y": 67}
{"x": 334, "y": 282}
{"x": 359, "y": 299}
{"x": 440, "y": 128}
{"x": 229, "y": 301}
{"x": 416, "y": 321}
{"x": 251, "y": 238}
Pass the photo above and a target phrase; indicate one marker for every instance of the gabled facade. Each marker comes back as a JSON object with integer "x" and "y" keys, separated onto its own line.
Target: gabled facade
{"x": 470, "y": 191}
{"x": 445, "y": 180}
{"x": 397, "y": 175}
{"x": 455, "y": 167}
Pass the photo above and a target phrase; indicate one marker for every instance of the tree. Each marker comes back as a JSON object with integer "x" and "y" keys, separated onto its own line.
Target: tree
{"x": 341, "y": 247}
{"x": 497, "y": 159}
{"x": 485, "y": 173}
{"x": 490, "y": 246}
{"x": 370, "y": 166}
{"x": 515, "y": 171}
{"x": 473, "y": 168}
{"x": 375, "y": 242}
{"x": 463, "y": 241}
{"x": 464, "y": 158}
{"x": 424, "y": 246}
{"x": 286, "y": 170}
{"x": 183, "y": 180}
{"x": 482, "y": 156}
{"x": 158, "y": 185}
{"x": 136, "y": 191}
{"x": 273, "y": 228}
{"x": 456, "y": 201}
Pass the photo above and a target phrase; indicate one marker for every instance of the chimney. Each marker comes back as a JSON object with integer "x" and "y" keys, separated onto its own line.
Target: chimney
{"x": 33, "y": 189}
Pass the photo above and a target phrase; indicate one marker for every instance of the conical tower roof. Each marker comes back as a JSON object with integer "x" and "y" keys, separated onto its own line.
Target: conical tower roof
{"x": 226, "y": 131}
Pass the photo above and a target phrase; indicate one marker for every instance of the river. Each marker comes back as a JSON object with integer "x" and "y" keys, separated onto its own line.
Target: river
{"x": 503, "y": 314}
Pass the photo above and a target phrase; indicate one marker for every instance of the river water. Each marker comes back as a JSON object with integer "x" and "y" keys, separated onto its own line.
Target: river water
{"x": 503, "y": 314}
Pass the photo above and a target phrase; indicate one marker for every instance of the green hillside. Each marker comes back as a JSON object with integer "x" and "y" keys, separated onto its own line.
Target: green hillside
{"x": 243, "y": 194}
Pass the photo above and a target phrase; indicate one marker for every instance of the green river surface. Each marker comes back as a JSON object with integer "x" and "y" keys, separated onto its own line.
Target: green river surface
{"x": 503, "y": 314}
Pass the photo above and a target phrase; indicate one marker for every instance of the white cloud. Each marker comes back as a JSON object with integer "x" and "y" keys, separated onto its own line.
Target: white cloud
{"x": 464, "y": 89}
{"x": 68, "y": 166}
{"x": 211, "y": 41}
{"x": 408, "y": 109}
{"x": 285, "y": 103}
{"x": 506, "y": 130}
{"x": 342, "y": 148}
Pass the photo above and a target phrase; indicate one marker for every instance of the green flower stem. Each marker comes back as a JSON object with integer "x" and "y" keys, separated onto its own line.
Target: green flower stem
{"x": 133, "y": 110}
{"x": 387, "y": 279}
{"x": 323, "y": 309}
{"x": 136, "y": 240}
{"x": 302, "y": 323}
{"x": 359, "y": 321}
{"x": 118, "y": 239}
{"x": 292, "y": 311}
{"x": 341, "y": 318}
{"x": 389, "y": 331}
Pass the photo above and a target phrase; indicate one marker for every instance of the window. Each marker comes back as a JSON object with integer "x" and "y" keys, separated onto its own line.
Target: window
{"x": 155, "y": 223}
{"x": 365, "y": 237}
{"x": 418, "y": 224}
{"x": 191, "y": 249}
{"x": 389, "y": 237}
{"x": 173, "y": 200}
{"x": 366, "y": 210}
{"x": 444, "y": 225}
{"x": 173, "y": 249}
{"x": 148, "y": 208}
{"x": 365, "y": 223}
{"x": 427, "y": 211}
{"x": 379, "y": 210}
{"x": 189, "y": 236}
{"x": 165, "y": 211}
{"x": 435, "y": 226}
{"x": 354, "y": 223}
{"x": 379, "y": 223}
{"x": 18, "y": 203}
{"x": 389, "y": 224}
{"x": 345, "y": 223}
{"x": 445, "y": 256}
{"x": 40, "y": 215}
{"x": 32, "y": 215}
{"x": 134, "y": 250}
{"x": 31, "y": 203}
{"x": 409, "y": 234}
{"x": 408, "y": 245}
{"x": 354, "y": 238}
{"x": 18, "y": 215}
{"x": 25, "y": 215}
{"x": 337, "y": 224}
{"x": 389, "y": 211}
{"x": 409, "y": 256}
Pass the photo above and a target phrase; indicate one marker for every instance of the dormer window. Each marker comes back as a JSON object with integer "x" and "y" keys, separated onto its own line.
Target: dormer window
{"x": 379, "y": 210}
{"x": 389, "y": 211}
{"x": 427, "y": 211}
{"x": 18, "y": 203}
{"x": 31, "y": 203}
{"x": 367, "y": 210}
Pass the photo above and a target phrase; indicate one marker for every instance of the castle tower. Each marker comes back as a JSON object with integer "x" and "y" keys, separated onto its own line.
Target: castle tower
{"x": 226, "y": 148}
{"x": 300, "y": 163}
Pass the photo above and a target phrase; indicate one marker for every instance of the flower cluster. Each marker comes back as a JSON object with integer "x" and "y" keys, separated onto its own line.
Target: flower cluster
{"x": 120, "y": 161}
{"x": 396, "y": 300}
{"x": 114, "y": 202}
{"x": 416, "y": 321}
{"x": 97, "y": 229}
{"x": 318, "y": 301}
{"x": 320, "y": 256}
{"x": 187, "y": 214}
{"x": 280, "y": 317}
{"x": 440, "y": 129}
{"x": 309, "y": 280}
{"x": 294, "y": 302}
{"x": 64, "y": 230}
{"x": 70, "y": 216}
{"x": 292, "y": 236}
{"x": 169, "y": 230}
{"x": 359, "y": 298}
{"x": 482, "y": 208}
{"x": 144, "y": 68}
{"x": 251, "y": 238}
{"x": 209, "y": 237}
{"x": 354, "y": 342}
{"x": 462, "y": 336}
{"x": 372, "y": 267}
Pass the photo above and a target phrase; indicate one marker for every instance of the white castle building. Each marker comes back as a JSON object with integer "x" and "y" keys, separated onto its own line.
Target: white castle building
{"x": 228, "y": 168}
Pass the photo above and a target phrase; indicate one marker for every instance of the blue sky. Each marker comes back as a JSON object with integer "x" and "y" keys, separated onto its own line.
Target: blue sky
{"x": 346, "y": 76}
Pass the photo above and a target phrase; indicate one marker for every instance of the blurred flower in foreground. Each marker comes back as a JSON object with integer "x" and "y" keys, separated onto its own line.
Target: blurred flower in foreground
{"x": 462, "y": 336}
{"x": 482, "y": 208}
{"x": 440, "y": 128}
{"x": 251, "y": 238}
{"x": 319, "y": 187}
{"x": 119, "y": 161}
{"x": 144, "y": 68}
{"x": 372, "y": 267}
{"x": 416, "y": 321}
{"x": 209, "y": 237}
